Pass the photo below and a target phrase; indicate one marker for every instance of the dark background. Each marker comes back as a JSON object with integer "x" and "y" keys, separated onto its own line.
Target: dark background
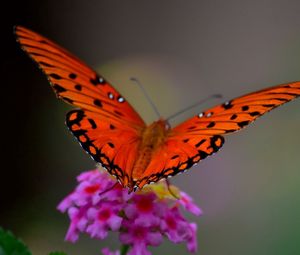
{"x": 182, "y": 51}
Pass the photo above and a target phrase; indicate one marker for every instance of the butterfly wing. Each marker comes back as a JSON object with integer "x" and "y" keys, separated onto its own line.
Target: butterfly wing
{"x": 240, "y": 112}
{"x": 108, "y": 142}
{"x": 73, "y": 81}
{"x": 201, "y": 136}
{"x": 106, "y": 125}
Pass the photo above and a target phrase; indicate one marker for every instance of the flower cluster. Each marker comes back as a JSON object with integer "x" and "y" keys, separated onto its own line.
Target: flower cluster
{"x": 142, "y": 218}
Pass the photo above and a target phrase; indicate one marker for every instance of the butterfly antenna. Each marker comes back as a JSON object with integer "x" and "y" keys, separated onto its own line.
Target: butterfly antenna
{"x": 170, "y": 190}
{"x": 194, "y": 105}
{"x": 146, "y": 95}
{"x": 109, "y": 189}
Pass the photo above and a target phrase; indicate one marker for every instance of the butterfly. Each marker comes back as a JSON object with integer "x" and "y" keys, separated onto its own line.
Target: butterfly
{"x": 114, "y": 135}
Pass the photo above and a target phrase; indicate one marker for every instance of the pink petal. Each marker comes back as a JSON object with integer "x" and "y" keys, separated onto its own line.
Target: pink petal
{"x": 106, "y": 251}
{"x": 115, "y": 222}
{"x": 139, "y": 249}
{"x": 192, "y": 241}
{"x": 64, "y": 204}
{"x": 154, "y": 238}
{"x": 187, "y": 202}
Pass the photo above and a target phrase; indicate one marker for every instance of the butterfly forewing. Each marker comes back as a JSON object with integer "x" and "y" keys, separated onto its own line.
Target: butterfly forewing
{"x": 238, "y": 113}
{"x": 74, "y": 82}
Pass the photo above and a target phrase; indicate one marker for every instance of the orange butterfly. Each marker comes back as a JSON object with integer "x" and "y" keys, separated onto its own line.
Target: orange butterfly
{"x": 113, "y": 133}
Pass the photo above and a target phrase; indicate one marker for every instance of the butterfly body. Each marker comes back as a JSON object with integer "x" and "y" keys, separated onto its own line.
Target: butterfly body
{"x": 110, "y": 130}
{"x": 152, "y": 138}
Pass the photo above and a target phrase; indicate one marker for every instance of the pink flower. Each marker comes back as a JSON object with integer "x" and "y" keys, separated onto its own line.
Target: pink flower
{"x": 144, "y": 210}
{"x": 178, "y": 229}
{"x": 99, "y": 205}
{"x": 187, "y": 202}
{"x": 106, "y": 251}
{"x": 78, "y": 222}
{"x": 103, "y": 219}
{"x": 139, "y": 237}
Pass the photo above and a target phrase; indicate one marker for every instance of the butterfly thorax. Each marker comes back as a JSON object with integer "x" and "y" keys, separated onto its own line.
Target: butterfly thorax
{"x": 153, "y": 136}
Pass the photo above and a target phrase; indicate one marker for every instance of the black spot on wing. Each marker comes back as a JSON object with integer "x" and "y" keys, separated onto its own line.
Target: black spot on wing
{"x": 118, "y": 113}
{"x": 45, "y": 64}
{"x": 55, "y": 76}
{"x": 227, "y": 105}
{"x": 253, "y": 114}
{"x": 97, "y": 102}
{"x": 68, "y": 100}
{"x": 72, "y": 76}
{"x": 199, "y": 143}
{"x": 268, "y": 105}
{"x": 58, "y": 88}
{"x": 211, "y": 124}
{"x": 233, "y": 117}
{"x": 202, "y": 154}
{"x": 111, "y": 145}
{"x": 245, "y": 108}
{"x": 93, "y": 123}
{"x": 230, "y": 130}
{"x": 78, "y": 87}
{"x": 243, "y": 123}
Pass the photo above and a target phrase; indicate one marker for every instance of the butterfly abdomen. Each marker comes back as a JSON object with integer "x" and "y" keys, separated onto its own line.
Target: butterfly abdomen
{"x": 145, "y": 155}
{"x": 153, "y": 137}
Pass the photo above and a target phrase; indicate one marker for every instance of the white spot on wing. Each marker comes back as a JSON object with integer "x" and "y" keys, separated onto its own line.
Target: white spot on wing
{"x": 121, "y": 100}
{"x": 200, "y": 115}
{"x": 110, "y": 95}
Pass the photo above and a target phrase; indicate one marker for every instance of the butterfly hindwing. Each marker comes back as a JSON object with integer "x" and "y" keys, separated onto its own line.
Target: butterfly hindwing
{"x": 179, "y": 154}
{"x": 115, "y": 147}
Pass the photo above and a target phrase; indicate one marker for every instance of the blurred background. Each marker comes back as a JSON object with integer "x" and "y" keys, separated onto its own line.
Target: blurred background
{"x": 182, "y": 51}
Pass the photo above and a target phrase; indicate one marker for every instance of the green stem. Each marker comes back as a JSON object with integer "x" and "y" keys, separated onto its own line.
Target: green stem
{"x": 124, "y": 249}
